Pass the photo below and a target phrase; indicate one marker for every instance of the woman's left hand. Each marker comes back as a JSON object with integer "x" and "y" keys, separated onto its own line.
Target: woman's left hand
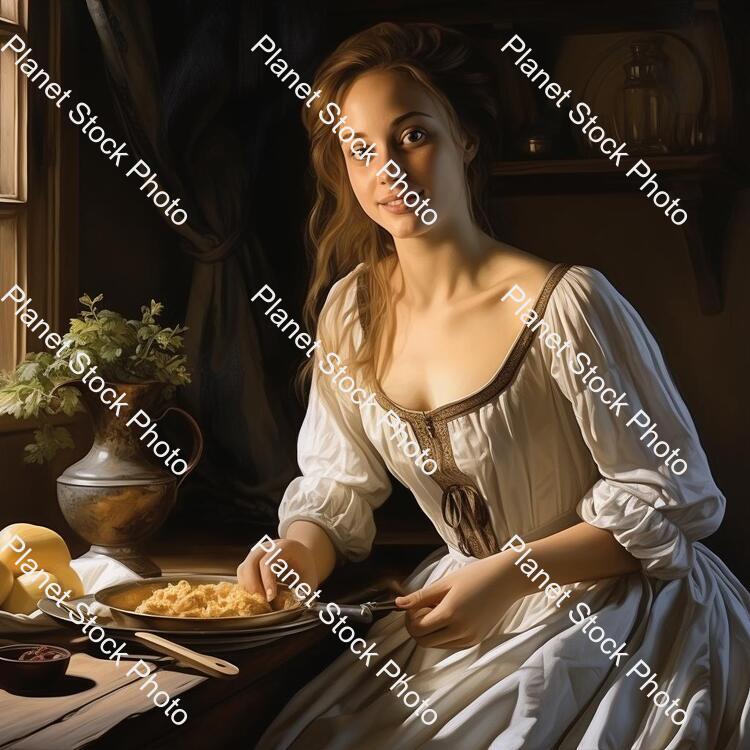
{"x": 460, "y": 609}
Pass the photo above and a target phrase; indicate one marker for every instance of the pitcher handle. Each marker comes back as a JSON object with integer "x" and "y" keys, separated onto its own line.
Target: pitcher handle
{"x": 197, "y": 440}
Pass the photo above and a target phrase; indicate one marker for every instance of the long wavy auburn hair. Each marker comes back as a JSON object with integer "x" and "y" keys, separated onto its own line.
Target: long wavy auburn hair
{"x": 340, "y": 235}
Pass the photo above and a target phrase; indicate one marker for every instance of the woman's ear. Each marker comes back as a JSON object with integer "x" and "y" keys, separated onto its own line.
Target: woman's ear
{"x": 471, "y": 146}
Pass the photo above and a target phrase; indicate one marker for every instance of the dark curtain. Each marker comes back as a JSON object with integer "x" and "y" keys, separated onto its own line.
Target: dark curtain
{"x": 186, "y": 90}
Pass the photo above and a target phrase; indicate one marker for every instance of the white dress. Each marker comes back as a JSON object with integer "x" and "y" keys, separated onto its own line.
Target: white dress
{"x": 539, "y": 452}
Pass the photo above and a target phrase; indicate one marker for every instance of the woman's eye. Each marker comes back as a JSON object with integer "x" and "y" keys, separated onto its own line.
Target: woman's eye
{"x": 357, "y": 153}
{"x": 417, "y": 135}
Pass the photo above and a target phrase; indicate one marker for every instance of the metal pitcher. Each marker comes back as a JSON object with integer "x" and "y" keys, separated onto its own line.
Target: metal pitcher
{"x": 118, "y": 495}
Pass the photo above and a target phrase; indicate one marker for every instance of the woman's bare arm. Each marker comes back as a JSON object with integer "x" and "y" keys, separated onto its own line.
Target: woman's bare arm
{"x": 579, "y": 553}
{"x": 319, "y": 544}
{"x": 306, "y": 549}
{"x": 461, "y": 608}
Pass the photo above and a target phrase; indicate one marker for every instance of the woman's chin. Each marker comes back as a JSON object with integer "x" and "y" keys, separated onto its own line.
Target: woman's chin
{"x": 403, "y": 226}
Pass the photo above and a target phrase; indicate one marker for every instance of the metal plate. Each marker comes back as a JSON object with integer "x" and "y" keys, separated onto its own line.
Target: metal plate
{"x": 123, "y": 598}
{"x": 306, "y": 619}
{"x": 186, "y": 637}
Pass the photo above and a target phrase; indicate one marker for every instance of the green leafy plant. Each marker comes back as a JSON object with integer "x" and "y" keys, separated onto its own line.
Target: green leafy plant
{"x": 124, "y": 351}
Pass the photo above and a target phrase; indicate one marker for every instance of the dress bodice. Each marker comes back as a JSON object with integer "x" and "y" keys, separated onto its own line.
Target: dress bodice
{"x": 534, "y": 451}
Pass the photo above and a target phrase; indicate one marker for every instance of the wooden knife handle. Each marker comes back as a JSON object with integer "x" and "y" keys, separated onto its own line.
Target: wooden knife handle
{"x": 210, "y": 665}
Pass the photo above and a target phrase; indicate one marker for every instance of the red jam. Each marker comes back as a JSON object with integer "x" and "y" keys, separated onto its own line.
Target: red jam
{"x": 42, "y": 653}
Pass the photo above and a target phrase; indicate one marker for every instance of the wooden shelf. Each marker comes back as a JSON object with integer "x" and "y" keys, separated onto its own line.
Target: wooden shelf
{"x": 685, "y": 164}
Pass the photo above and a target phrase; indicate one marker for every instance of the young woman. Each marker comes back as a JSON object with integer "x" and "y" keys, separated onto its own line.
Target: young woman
{"x": 524, "y": 442}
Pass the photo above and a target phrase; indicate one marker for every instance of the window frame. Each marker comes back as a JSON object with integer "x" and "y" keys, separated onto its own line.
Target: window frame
{"x": 46, "y": 257}
{"x": 14, "y": 207}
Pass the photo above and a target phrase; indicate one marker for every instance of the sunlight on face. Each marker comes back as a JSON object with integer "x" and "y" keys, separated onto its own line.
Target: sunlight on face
{"x": 407, "y": 125}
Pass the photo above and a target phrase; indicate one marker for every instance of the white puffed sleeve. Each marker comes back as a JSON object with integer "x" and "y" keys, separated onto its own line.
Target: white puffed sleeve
{"x": 655, "y": 514}
{"x": 343, "y": 476}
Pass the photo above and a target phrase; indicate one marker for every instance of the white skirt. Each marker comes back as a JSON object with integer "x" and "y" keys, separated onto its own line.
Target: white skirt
{"x": 539, "y": 682}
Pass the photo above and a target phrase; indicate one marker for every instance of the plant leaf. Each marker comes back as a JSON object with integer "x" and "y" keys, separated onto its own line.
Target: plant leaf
{"x": 47, "y": 442}
{"x": 69, "y": 401}
{"x": 110, "y": 352}
{"x": 27, "y": 371}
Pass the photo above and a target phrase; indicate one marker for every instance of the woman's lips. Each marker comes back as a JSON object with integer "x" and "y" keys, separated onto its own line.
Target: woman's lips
{"x": 397, "y": 205}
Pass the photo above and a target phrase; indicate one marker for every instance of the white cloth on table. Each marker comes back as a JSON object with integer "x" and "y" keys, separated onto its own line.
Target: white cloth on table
{"x": 96, "y": 572}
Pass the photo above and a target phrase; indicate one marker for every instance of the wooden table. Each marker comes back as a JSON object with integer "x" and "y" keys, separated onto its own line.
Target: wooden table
{"x": 234, "y": 713}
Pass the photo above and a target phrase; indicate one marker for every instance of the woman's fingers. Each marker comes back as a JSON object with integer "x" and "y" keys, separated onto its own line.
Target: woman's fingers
{"x": 257, "y": 576}
{"x": 268, "y": 578}
{"x": 423, "y": 621}
{"x": 414, "y": 626}
{"x": 428, "y": 596}
{"x": 439, "y": 615}
{"x": 248, "y": 574}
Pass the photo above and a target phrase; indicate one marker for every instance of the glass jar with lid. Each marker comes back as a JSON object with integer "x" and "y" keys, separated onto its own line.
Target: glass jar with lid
{"x": 647, "y": 100}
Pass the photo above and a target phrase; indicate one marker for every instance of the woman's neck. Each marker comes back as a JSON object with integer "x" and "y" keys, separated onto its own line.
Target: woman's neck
{"x": 435, "y": 269}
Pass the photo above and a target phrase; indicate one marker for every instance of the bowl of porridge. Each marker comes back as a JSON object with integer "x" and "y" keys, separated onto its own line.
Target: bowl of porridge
{"x": 195, "y": 602}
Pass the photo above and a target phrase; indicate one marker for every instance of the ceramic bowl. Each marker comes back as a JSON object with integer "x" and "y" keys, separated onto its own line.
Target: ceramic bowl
{"x": 17, "y": 675}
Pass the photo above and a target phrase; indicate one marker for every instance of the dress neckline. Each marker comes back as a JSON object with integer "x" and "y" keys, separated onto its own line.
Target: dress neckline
{"x": 503, "y": 375}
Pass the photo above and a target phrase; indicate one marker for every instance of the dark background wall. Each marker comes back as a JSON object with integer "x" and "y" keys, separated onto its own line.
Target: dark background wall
{"x": 127, "y": 252}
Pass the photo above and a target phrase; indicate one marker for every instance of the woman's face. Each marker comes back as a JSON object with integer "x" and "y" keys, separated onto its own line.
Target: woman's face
{"x": 408, "y": 126}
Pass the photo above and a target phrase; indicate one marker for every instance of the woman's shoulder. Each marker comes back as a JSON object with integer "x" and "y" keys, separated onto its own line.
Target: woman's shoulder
{"x": 349, "y": 296}
{"x": 534, "y": 274}
{"x": 347, "y": 284}
{"x": 342, "y": 300}
{"x": 509, "y": 266}
{"x": 585, "y": 288}
{"x": 586, "y": 304}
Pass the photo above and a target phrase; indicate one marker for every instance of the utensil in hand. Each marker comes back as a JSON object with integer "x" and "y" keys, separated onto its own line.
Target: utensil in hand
{"x": 364, "y": 613}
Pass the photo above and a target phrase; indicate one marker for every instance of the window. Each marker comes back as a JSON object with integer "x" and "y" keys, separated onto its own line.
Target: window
{"x": 36, "y": 153}
{"x": 13, "y": 183}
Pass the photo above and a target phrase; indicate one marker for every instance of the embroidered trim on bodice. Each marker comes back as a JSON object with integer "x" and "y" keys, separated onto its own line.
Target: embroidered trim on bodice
{"x": 464, "y": 509}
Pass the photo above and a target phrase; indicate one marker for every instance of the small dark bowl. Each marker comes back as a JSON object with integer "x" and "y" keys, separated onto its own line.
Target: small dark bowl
{"x": 29, "y": 676}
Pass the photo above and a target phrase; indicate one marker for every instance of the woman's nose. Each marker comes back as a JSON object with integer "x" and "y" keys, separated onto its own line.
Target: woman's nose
{"x": 384, "y": 155}
{"x": 385, "y": 167}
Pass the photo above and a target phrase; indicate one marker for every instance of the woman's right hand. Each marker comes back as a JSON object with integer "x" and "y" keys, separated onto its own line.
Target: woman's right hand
{"x": 255, "y": 576}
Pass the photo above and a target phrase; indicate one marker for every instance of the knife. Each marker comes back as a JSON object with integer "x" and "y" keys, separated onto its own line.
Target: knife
{"x": 364, "y": 613}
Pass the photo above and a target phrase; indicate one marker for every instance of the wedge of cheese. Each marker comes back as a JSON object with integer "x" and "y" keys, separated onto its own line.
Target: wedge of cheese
{"x": 27, "y": 590}
{"x": 6, "y": 582}
{"x": 45, "y": 546}
{"x": 25, "y": 548}
{"x": 69, "y": 581}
